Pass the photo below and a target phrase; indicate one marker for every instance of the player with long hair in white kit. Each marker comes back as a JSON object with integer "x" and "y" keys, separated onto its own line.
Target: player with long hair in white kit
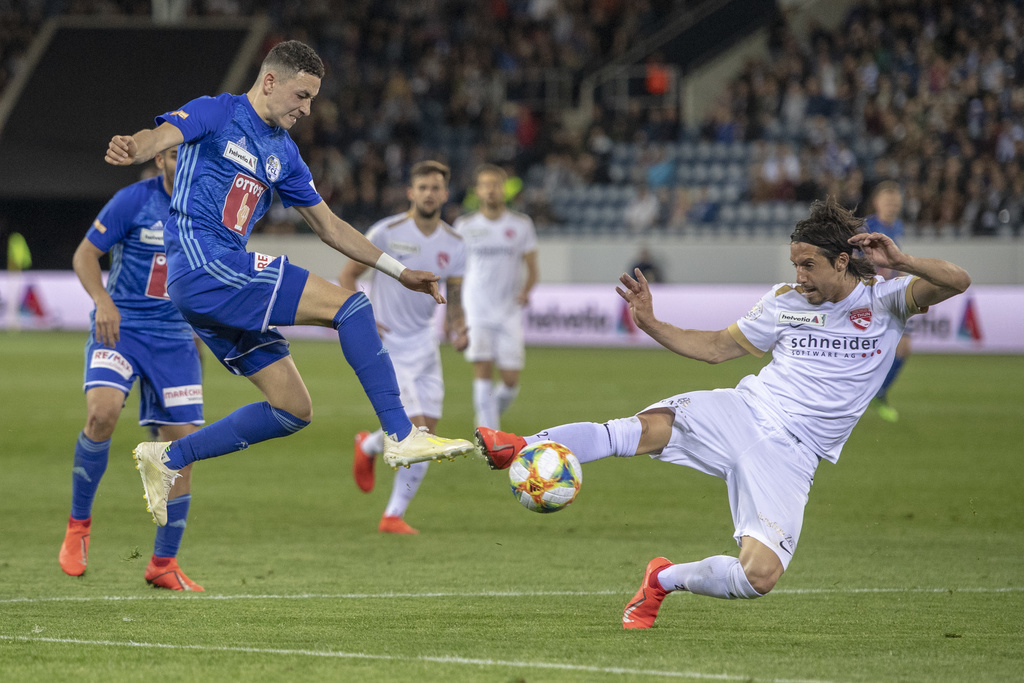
{"x": 832, "y": 333}
{"x": 234, "y": 152}
{"x": 418, "y": 239}
{"x": 499, "y": 243}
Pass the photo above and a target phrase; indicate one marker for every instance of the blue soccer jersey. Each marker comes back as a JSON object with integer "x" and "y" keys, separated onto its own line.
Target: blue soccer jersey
{"x": 894, "y": 230}
{"x": 229, "y": 165}
{"x": 131, "y": 229}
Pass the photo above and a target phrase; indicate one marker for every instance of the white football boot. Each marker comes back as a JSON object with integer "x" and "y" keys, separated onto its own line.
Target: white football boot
{"x": 421, "y": 446}
{"x": 157, "y": 477}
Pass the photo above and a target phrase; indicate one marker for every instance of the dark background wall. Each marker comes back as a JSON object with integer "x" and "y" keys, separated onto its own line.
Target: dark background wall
{"x": 90, "y": 84}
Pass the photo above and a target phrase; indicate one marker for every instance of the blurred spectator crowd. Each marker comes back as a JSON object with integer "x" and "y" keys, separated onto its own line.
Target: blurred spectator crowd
{"x": 926, "y": 92}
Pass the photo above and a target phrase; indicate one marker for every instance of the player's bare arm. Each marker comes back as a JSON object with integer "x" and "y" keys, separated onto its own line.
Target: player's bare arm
{"x": 343, "y": 238}
{"x": 704, "y": 345}
{"x": 939, "y": 281}
{"x": 86, "y": 263}
{"x": 532, "y": 275}
{"x": 455, "y": 317}
{"x": 126, "y": 150}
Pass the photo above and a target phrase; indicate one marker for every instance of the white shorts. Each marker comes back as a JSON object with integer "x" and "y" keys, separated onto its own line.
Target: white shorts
{"x": 417, "y": 364}
{"x": 501, "y": 343}
{"x": 767, "y": 471}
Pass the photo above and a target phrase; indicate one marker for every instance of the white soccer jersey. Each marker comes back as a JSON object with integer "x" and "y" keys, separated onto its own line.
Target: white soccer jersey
{"x": 494, "y": 263}
{"x": 409, "y": 314}
{"x": 828, "y": 361}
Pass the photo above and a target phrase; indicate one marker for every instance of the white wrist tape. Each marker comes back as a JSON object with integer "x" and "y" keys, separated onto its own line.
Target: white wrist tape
{"x": 389, "y": 266}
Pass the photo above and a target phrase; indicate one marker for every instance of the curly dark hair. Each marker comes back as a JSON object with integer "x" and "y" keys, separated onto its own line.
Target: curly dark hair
{"x": 293, "y": 56}
{"x": 829, "y": 228}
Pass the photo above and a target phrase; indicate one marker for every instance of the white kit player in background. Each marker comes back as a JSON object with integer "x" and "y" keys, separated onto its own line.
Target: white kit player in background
{"x": 406, "y": 325}
{"x": 832, "y": 333}
{"x": 499, "y": 243}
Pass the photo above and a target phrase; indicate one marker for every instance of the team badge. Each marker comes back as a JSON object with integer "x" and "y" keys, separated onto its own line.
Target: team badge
{"x": 443, "y": 259}
{"x": 273, "y": 168}
{"x": 861, "y": 318}
{"x": 510, "y": 233}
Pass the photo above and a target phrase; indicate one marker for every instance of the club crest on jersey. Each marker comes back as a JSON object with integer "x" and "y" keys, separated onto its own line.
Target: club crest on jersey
{"x": 801, "y": 318}
{"x": 273, "y": 168}
{"x": 861, "y": 318}
{"x": 238, "y": 154}
{"x": 443, "y": 259}
{"x": 510, "y": 233}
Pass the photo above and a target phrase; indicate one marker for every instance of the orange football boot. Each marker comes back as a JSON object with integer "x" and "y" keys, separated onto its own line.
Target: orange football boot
{"x": 642, "y": 610}
{"x": 74, "y": 551}
{"x": 500, "y": 448}
{"x": 362, "y": 464}
{"x": 164, "y": 572}
{"x": 395, "y": 525}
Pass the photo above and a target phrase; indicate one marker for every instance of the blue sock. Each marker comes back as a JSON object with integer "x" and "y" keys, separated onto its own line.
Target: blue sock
{"x": 168, "y": 538}
{"x": 357, "y": 332}
{"x": 890, "y": 377}
{"x": 90, "y": 464}
{"x": 249, "y": 424}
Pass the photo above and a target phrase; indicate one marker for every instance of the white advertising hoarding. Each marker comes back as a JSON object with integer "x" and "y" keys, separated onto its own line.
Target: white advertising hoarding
{"x": 986, "y": 319}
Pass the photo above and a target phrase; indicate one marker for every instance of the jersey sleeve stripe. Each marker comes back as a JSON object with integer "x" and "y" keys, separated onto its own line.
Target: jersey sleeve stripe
{"x": 741, "y": 339}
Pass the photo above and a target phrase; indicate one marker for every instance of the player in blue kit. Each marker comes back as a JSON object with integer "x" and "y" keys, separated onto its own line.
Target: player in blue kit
{"x": 137, "y": 333}
{"x": 887, "y": 201}
{"x": 234, "y": 153}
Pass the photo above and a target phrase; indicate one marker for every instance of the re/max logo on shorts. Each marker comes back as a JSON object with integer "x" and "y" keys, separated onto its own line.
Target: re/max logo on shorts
{"x": 188, "y": 394}
{"x": 801, "y": 318}
{"x": 112, "y": 360}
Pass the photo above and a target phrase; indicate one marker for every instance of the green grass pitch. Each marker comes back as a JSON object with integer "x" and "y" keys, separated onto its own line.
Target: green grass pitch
{"x": 910, "y": 567}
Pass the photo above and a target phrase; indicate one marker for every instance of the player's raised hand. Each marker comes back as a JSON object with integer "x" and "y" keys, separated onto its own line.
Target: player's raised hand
{"x": 121, "y": 150}
{"x": 422, "y": 281}
{"x": 879, "y": 249}
{"x": 637, "y": 294}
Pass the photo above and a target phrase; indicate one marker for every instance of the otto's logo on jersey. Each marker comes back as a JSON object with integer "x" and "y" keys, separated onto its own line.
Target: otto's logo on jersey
{"x": 239, "y": 155}
{"x": 188, "y": 394}
{"x": 112, "y": 360}
{"x": 240, "y": 204}
{"x": 156, "y": 283}
{"x": 443, "y": 259}
{"x": 273, "y": 168}
{"x": 801, "y": 318}
{"x": 861, "y": 318}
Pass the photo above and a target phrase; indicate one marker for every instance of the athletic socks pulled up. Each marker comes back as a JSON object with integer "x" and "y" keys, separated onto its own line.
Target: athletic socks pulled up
{"x": 90, "y": 464}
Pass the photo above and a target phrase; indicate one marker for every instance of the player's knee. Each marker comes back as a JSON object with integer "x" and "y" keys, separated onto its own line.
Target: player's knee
{"x": 762, "y": 578}
{"x": 100, "y": 423}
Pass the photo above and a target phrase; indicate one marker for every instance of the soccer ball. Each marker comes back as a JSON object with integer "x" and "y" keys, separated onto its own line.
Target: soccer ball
{"x": 545, "y": 477}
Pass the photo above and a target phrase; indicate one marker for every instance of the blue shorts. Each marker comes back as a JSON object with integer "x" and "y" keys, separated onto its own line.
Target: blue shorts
{"x": 168, "y": 370}
{"x": 232, "y": 302}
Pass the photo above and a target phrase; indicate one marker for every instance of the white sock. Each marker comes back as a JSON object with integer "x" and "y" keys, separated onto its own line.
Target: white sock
{"x": 719, "y": 576}
{"x": 485, "y": 404}
{"x": 374, "y": 443}
{"x": 590, "y": 441}
{"x": 407, "y": 482}
{"x": 505, "y": 395}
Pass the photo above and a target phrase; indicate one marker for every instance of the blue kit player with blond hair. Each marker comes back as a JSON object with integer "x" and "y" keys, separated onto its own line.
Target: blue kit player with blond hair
{"x": 234, "y": 152}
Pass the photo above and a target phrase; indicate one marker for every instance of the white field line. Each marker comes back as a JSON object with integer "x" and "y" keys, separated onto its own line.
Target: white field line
{"x": 480, "y": 594}
{"x": 397, "y": 658}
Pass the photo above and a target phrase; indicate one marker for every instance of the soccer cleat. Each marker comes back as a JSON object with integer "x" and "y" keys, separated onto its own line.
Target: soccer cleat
{"x": 395, "y": 525}
{"x": 642, "y": 610}
{"x": 168, "y": 574}
{"x": 157, "y": 477}
{"x": 886, "y": 411}
{"x": 499, "y": 448}
{"x": 362, "y": 464}
{"x": 74, "y": 551}
{"x": 422, "y": 446}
